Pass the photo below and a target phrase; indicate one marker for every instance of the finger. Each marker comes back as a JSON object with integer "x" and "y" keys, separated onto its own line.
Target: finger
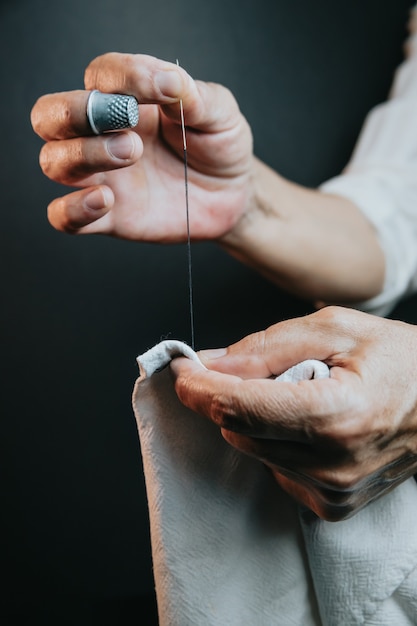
{"x": 259, "y": 407}
{"x": 329, "y": 506}
{"x": 327, "y": 335}
{"x": 207, "y": 106}
{"x": 75, "y": 211}
{"x": 322, "y": 463}
{"x": 72, "y": 160}
{"x": 331, "y": 484}
{"x": 61, "y": 115}
{"x": 330, "y": 467}
{"x": 332, "y": 504}
{"x": 151, "y": 80}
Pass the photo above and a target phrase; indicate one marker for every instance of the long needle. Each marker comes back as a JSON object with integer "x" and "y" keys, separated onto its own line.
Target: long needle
{"x": 190, "y": 277}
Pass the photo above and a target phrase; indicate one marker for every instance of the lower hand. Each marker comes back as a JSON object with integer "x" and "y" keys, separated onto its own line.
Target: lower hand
{"x": 334, "y": 444}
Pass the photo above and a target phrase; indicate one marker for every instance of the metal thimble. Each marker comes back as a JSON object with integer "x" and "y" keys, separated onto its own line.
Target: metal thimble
{"x": 111, "y": 111}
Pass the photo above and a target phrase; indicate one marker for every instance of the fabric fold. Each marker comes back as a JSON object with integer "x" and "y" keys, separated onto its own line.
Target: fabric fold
{"x": 215, "y": 515}
{"x": 230, "y": 548}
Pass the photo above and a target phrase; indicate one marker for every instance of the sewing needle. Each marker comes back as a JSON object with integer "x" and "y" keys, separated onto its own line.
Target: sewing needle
{"x": 190, "y": 280}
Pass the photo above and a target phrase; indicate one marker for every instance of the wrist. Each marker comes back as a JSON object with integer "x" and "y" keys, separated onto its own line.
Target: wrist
{"x": 260, "y": 214}
{"x": 316, "y": 245}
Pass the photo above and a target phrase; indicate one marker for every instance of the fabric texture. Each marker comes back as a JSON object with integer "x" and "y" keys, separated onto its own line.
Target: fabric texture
{"x": 230, "y": 548}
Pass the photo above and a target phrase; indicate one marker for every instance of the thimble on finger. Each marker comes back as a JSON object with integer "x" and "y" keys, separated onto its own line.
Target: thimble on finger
{"x": 111, "y": 111}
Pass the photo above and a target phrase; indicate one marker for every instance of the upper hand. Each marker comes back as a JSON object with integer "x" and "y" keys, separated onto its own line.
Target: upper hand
{"x": 141, "y": 195}
{"x": 335, "y": 444}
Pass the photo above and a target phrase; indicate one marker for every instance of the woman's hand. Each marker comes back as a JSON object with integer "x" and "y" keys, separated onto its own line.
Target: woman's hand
{"x": 131, "y": 183}
{"x": 335, "y": 444}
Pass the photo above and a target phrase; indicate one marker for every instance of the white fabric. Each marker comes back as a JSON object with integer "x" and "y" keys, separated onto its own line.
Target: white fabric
{"x": 231, "y": 549}
{"x": 381, "y": 179}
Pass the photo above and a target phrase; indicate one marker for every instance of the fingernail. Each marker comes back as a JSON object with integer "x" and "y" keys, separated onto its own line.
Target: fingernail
{"x": 169, "y": 83}
{"x": 121, "y": 146}
{"x": 210, "y": 355}
{"x": 96, "y": 200}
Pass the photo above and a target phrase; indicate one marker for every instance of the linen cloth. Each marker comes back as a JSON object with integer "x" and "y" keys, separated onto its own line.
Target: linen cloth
{"x": 230, "y": 548}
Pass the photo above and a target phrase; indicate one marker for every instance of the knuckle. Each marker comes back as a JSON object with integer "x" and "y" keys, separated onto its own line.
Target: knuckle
{"x": 335, "y": 317}
{"x": 35, "y": 118}
{"x": 342, "y": 485}
{"x": 222, "y": 416}
{"x": 347, "y": 430}
{"x": 68, "y": 214}
{"x": 130, "y": 63}
{"x": 63, "y": 118}
{"x": 340, "y": 503}
{"x": 329, "y": 313}
{"x": 43, "y": 116}
{"x": 91, "y": 72}
{"x": 89, "y": 77}
{"x": 107, "y": 71}
{"x": 58, "y": 217}
{"x": 69, "y": 161}
{"x": 46, "y": 161}
{"x": 62, "y": 162}
{"x": 229, "y": 413}
{"x": 331, "y": 513}
{"x": 342, "y": 435}
{"x": 225, "y": 412}
{"x": 76, "y": 162}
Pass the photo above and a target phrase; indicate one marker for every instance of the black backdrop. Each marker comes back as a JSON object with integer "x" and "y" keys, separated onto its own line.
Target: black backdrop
{"x": 75, "y": 312}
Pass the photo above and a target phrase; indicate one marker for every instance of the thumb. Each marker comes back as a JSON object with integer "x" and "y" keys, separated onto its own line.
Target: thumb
{"x": 321, "y": 335}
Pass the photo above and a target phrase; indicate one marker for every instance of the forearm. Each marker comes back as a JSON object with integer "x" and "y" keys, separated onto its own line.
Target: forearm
{"x": 313, "y": 244}
{"x": 353, "y": 241}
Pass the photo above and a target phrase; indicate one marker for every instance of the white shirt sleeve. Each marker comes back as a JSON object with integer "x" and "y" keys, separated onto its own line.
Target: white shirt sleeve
{"x": 381, "y": 179}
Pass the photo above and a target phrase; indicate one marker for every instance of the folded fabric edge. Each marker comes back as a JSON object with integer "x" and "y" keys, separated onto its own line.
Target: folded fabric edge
{"x": 157, "y": 358}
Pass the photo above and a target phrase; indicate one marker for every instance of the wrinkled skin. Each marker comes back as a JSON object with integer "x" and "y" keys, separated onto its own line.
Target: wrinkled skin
{"x": 141, "y": 196}
{"x": 334, "y": 444}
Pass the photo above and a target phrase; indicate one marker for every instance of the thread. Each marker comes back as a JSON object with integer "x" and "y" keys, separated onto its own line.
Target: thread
{"x": 187, "y": 213}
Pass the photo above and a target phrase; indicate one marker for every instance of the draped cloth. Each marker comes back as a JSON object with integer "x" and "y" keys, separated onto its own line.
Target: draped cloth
{"x": 230, "y": 548}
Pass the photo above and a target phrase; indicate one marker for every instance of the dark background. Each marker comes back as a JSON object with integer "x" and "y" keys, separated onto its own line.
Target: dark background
{"x": 75, "y": 312}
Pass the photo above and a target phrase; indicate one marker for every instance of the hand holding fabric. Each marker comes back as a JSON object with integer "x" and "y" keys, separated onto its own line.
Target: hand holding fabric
{"x": 334, "y": 444}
